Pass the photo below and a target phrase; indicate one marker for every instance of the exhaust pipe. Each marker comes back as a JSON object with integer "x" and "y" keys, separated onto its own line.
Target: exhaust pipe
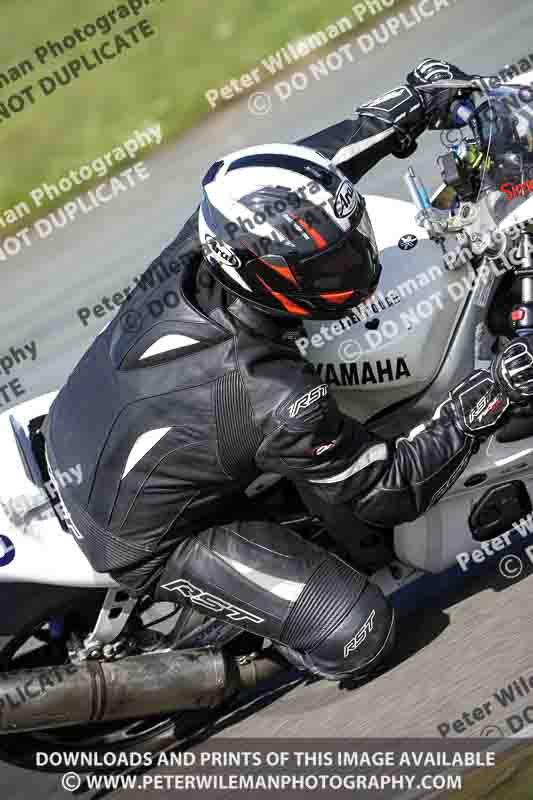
{"x": 139, "y": 686}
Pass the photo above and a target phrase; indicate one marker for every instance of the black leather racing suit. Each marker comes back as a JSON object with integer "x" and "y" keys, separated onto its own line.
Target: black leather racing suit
{"x": 183, "y": 400}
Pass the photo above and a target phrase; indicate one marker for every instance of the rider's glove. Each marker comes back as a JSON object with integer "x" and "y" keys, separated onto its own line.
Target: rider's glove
{"x": 479, "y": 403}
{"x": 402, "y": 109}
{"x": 513, "y": 370}
{"x": 437, "y": 101}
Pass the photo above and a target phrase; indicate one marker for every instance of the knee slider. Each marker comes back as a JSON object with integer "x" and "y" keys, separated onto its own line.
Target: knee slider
{"x": 361, "y": 642}
{"x": 343, "y": 623}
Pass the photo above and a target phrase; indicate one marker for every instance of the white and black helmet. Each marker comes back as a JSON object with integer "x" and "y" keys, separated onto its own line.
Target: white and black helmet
{"x": 284, "y": 229}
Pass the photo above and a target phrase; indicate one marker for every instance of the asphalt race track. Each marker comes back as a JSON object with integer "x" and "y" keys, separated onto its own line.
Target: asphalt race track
{"x": 453, "y": 654}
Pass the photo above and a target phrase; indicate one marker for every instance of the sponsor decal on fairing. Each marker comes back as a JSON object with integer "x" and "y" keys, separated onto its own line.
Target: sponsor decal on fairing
{"x": 357, "y": 373}
{"x": 7, "y": 551}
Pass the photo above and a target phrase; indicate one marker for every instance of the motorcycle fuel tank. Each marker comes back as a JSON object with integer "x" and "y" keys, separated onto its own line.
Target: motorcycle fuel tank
{"x": 392, "y": 346}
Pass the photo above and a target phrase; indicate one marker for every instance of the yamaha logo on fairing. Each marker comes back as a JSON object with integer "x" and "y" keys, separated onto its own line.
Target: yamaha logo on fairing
{"x": 7, "y": 551}
{"x": 345, "y": 200}
{"x": 221, "y": 253}
{"x": 408, "y": 241}
{"x": 356, "y": 373}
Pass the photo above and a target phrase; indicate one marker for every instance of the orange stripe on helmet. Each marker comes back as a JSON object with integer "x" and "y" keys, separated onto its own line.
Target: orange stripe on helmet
{"x": 313, "y": 233}
{"x": 293, "y": 308}
{"x": 337, "y": 297}
{"x": 284, "y": 271}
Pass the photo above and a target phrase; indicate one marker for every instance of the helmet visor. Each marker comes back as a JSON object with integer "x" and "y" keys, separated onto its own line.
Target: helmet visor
{"x": 350, "y": 264}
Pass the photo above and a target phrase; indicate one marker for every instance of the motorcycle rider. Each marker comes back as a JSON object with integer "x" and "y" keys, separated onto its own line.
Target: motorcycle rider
{"x": 174, "y": 416}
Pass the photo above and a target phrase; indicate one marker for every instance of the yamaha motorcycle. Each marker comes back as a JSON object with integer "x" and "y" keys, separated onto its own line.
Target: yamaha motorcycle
{"x": 85, "y": 666}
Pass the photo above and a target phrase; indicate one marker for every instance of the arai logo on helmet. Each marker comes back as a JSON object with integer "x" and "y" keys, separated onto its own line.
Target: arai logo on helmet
{"x": 345, "y": 201}
{"x": 220, "y": 252}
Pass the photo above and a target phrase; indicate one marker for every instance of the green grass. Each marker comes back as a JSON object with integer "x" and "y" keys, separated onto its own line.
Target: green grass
{"x": 198, "y": 45}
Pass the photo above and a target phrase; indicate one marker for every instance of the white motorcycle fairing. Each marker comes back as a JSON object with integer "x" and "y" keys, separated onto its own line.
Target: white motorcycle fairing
{"x": 33, "y": 546}
{"x": 440, "y": 343}
{"x": 390, "y": 349}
